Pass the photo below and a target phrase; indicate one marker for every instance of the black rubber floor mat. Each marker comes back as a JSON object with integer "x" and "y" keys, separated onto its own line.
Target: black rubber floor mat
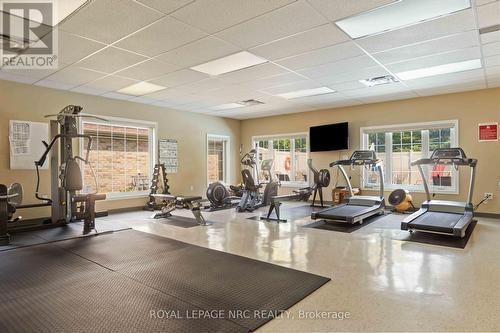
{"x": 340, "y": 226}
{"x": 75, "y": 295}
{"x": 179, "y": 221}
{"x": 69, "y": 231}
{"x": 209, "y": 279}
{"x": 289, "y": 214}
{"x": 437, "y": 239}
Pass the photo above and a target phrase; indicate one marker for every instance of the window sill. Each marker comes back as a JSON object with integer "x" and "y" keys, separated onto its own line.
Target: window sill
{"x": 126, "y": 196}
{"x": 293, "y": 184}
{"x": 411, "y": 190}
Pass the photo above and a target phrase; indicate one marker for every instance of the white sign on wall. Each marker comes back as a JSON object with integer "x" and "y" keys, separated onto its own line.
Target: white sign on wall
{"x": 168, "y": 154}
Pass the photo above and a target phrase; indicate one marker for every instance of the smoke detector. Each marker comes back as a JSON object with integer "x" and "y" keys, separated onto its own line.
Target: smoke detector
{"x": 377, "y": 81}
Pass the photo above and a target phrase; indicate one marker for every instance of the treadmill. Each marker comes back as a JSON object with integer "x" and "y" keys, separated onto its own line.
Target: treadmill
{"x": 357, "y": 208}
{"x": 440, "y": 216}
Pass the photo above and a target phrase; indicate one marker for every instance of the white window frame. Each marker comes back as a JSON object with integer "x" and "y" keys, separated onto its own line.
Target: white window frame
{"x": 227, "y": 148}
{"x": 286, "y": 136}
{"x": 424, "y": 127}
{"x": 153, "y": 148}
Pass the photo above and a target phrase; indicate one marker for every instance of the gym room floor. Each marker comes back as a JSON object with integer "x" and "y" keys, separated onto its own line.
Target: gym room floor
{"x": 385, "y": 284}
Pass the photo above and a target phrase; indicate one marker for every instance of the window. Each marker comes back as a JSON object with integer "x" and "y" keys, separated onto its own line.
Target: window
{"x": 121, "y": 157}
{"x": 397, "y": 146}
{"x": 289, "y": 154}
{"x": 217, "y": 158}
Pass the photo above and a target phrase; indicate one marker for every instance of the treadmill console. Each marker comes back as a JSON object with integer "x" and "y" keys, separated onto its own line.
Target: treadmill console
{"x": 363, "y": 155}
{"x": 448, "y": 153}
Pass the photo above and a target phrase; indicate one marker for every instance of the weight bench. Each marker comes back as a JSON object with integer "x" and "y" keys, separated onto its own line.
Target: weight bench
{"x": 172, "y": 202}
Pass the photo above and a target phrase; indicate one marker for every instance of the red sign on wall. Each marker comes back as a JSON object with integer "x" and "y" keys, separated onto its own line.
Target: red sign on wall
{"x": 488, "y": 132}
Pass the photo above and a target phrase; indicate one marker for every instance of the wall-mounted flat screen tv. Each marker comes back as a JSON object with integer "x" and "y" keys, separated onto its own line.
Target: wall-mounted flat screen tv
{"x": 329, "y": 137}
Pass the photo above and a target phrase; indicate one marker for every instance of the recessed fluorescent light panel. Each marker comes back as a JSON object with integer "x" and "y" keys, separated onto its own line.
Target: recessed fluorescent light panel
{"x": 141, "y": 88}
{"x": 377, "y": 81}
{"x": 399, "y": 14}
{"x": 230, "y": 63}
{"x": 227, "y": 106}
{"x": 438, "y": 70}
{"x": 306, "y": 93}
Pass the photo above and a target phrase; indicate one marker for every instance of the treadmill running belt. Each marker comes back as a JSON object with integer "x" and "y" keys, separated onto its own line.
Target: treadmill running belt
{"x": 347, "y": 210}
{"x": 437, "y": 221}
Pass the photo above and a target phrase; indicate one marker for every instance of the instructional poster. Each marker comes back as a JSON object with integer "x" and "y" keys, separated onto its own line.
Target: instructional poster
{"x": 488, "y": 132}
{"x": 168, "y": 154}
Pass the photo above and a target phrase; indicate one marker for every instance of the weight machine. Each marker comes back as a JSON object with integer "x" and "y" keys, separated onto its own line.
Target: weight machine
{"x": 66, "y": 180}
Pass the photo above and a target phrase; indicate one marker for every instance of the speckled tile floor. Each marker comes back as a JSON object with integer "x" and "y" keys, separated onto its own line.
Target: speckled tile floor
{"x": 385, "y": 284}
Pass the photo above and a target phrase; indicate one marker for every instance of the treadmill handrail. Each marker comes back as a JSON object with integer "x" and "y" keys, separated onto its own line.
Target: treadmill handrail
{"x": 446, "y": 161}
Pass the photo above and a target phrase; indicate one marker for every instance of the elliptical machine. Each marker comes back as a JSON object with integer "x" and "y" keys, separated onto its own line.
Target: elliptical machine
{"x": 252, "y": 197}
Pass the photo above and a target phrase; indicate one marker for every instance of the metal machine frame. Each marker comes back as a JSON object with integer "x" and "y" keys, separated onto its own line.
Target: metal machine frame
{"x": 357, "y": 208}
{"x": 460, "y": 214}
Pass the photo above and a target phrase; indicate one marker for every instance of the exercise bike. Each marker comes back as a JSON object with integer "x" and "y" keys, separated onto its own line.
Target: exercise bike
{"x": 252, "y": 197}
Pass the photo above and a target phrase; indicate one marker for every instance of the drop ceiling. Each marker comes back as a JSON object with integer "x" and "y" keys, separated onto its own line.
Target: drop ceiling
{"x": 108, "y": 45}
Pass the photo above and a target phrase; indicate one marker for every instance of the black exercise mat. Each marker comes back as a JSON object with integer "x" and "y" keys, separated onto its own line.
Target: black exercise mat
{"x": 340, "y": 226}
{"x": 46, "y": 289}
{"x": 179, "y": 221}
{"x": 289, "y": 214}
{"x": 209, "y": 279}
{"x": 69, "y": 231}
{"x": 437, "y": 239}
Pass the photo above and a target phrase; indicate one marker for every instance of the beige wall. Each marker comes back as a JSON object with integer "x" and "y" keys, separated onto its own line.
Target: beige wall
{"x": 470, "y": 108}
{"x": 25, "y": 102}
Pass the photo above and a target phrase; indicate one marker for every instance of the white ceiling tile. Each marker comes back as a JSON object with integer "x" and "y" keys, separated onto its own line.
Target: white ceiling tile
{"x": 16, "y": 77}
{"x": 483, "y": 2}
{"x": 54, "y": 84}
{"x": 272, "y": 81}
{"x": 342, "y": 66}
{"x": 160, "y": 37}
{"x": 491, "y": 49}
{"x": 143, "y": 100}
{"x": 436, "y": 60}
{"x": 111, "y": 83}
{"x": 147, "y": 70}
{"x": 343, "y": 86}
{"x": 111, "y": 60}
{"x": 88, "y": 90}
{"x": 322, "y": 56}
{"x": 492, "y": 61}
{"x": 445, "y": 44}
{"x": 291, "y": 87}
{"x": 492, "y": 71}
{"x": 336, "y": 9}
{"x": 315, "y": 38}
{"x": 178, "y": 78}
{"x": 202, "y": 86}
{"x": 200, "y": 51}
{"x": 252, "y": 73}
{"x": 441, "y": 27}
{"x": 493, "y": 83}
{"x": 215, "y": 15}
{"x": 488, "y": 15}
{"x": 277, "y": 24}
{"x": 386, "y": 89}
{"x": 353, "y": 75}
{"x": 115, "y": 95}
{"x": 165, "y": 6}
{"x": 35, "y": 74}
{"x": 72, "y": 48}
{"x": 388, "y": 97}
{"x": 446, "y": 79}
{"x": 109, "y": 20}
{"x": 449, "y": 89}
{"x": 74, "y": 76}
{"x": 490, "y": 37}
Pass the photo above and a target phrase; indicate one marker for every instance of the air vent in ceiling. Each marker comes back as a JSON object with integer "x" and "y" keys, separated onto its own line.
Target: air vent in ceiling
{"x": 377, "y": 81}
{"x": 12, "y": 43}
{"x": 250, "y": 102}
